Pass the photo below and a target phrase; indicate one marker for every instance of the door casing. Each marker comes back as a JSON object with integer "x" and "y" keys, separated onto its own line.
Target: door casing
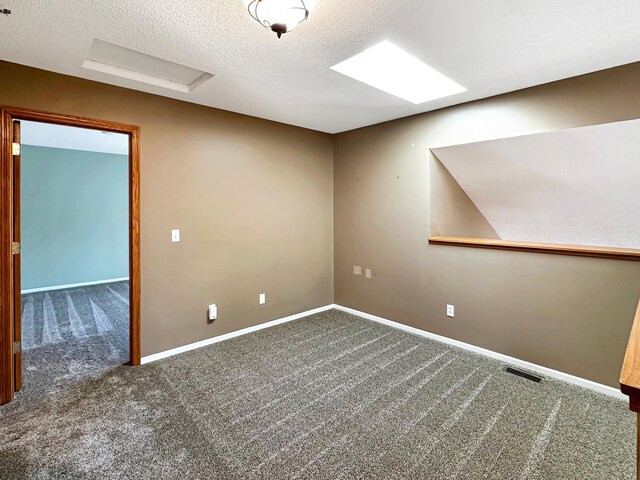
{"x": 8, "y": 289}
{"x": 17, "y": 300}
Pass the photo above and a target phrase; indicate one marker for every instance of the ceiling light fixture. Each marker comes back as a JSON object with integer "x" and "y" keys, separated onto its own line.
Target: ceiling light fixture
{"x": 390, "y": 69}
{"x": 281, "y": 16}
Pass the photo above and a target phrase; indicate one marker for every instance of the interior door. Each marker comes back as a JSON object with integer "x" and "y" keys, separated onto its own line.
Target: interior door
{"x": 17, "y": 304}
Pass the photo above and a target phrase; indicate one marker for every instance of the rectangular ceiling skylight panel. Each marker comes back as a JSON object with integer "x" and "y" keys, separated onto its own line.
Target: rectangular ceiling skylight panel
{"x": 390, "y": 69}
{"x": 126, "y": 63}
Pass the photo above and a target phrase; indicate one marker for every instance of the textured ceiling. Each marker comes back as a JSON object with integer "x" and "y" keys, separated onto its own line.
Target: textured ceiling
{"x": 577, "y": 186}
{"x": 490, "y": 47}
{"x": 72, "y": 138}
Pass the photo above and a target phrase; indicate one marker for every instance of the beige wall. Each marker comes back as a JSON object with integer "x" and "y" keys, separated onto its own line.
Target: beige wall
{"x": 253, "y": 200}
{"x": 452, "y": 212}
{"x": 572, "y": 314}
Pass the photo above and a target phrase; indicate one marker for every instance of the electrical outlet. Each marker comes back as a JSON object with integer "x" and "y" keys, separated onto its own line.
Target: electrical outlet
{"x": 213, "y": 311}
{"x": 262, "y": 298}
{"x": 357, "y": 270}
{"x": 451, "y": 311}
{"x": 367, "y": 272}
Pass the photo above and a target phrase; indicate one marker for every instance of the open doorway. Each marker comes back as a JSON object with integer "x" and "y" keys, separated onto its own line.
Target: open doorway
{"x": 72, "y": 306}
{"x": 74, "y": 236}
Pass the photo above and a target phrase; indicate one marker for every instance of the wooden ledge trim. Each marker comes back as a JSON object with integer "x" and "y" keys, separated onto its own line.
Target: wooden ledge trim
{"x": 630, "y": 374}
{"x": 533, "y": 247}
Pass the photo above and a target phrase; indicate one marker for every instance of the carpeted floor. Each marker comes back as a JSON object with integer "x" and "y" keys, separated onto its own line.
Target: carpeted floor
{"x": 329, "y": 396}
{"x": 71, "y": 335}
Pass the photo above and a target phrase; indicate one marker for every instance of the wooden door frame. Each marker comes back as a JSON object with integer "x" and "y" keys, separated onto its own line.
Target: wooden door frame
{"x": 7, "y": 116}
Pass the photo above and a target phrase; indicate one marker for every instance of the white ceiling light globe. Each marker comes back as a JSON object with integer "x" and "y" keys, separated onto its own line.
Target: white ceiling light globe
{"x": 281, "y": 16}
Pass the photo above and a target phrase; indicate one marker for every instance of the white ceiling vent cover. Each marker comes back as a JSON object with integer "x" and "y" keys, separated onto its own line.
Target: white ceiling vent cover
{"x": 122, "y": 62}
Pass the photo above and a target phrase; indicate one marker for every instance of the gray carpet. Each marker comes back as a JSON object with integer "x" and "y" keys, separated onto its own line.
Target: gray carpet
{"x": 71, "y": 335}
{"x": 329, "y": 396}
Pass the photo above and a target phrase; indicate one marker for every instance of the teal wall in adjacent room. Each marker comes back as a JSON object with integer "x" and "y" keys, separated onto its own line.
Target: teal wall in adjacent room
{"x": 74, "y": 216}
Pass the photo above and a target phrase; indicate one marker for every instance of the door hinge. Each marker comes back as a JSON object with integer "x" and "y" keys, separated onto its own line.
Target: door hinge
{"x": 17, "y": 347}
{"x": 16, "y": 149}
{"x": 15, "y": 248}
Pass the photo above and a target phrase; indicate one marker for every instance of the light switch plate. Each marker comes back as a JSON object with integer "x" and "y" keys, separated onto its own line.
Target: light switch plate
{"x": 357, "y": 270}
{"x": 175, "y": 235}
{"x": 367, "y": 273}
{"x": 263, "y": 298}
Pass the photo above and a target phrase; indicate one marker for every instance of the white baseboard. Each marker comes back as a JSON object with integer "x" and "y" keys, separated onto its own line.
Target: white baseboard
{"x": 227, "y": 336}
{"x": 72, "y": 285}
{"x": 598, "y": 387}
